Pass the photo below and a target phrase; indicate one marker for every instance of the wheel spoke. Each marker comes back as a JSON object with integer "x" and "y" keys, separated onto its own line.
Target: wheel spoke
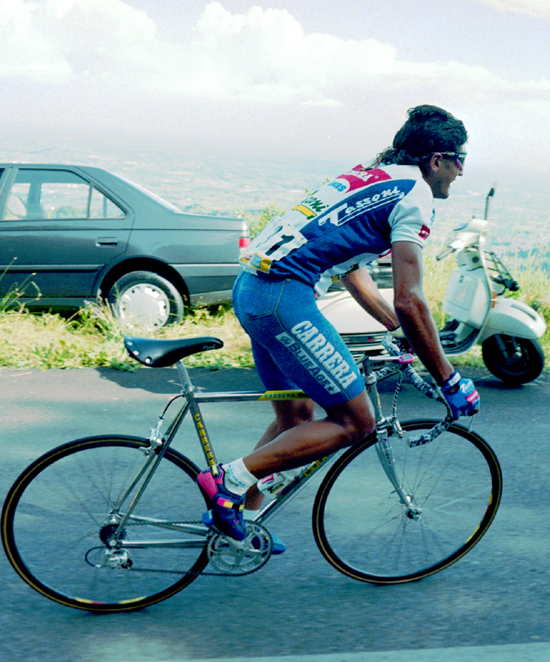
{"x": 61, "y": 509}
{"x": 367, "y": 533}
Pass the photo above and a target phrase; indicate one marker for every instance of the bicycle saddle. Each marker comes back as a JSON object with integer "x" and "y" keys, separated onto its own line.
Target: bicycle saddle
{"x": 163, "y": 353}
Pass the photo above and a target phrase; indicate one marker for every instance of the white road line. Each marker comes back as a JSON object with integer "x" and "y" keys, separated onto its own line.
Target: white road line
{"x": 537, "y": 652}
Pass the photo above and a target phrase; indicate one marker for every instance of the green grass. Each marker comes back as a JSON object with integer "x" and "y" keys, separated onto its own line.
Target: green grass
{"x": 93, "y": 338}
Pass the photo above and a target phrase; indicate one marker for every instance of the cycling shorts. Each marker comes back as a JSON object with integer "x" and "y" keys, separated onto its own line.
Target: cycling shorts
{"x": 293, "y": 344}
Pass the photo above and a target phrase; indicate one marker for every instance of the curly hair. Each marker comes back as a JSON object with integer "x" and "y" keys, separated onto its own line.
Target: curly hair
{"x": 428, "y": 129}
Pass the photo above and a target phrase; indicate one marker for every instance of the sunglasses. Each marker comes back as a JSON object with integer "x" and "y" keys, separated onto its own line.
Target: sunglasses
{"x": 459, "y": 157}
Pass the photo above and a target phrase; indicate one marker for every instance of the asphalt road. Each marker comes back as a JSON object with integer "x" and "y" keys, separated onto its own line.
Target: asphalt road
{"x": 491, "y": 605}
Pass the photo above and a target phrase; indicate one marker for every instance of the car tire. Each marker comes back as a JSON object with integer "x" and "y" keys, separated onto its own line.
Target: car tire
{"x": 143, "y": 300}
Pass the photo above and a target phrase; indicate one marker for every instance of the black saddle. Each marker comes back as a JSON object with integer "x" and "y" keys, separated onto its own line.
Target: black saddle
{"x": 162, "y": 353}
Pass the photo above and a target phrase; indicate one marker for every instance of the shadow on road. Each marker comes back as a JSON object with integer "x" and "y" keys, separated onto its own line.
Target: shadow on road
{"x": 165, "y": 380}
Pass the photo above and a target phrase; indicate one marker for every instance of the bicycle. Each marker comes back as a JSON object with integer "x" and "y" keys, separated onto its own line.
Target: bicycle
{"x": 114, "y": 523}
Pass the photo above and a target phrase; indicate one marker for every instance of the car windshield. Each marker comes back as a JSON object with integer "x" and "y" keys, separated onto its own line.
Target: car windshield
{"x": 154, "y": 196}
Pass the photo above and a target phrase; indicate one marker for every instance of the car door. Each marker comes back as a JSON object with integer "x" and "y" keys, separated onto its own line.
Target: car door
{"x": 57, "y": 230}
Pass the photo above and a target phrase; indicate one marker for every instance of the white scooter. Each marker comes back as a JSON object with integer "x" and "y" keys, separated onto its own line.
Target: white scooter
{"x": 506, "y": 329}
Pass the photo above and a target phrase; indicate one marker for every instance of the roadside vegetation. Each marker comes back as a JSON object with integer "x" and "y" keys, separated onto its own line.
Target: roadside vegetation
{"x": 93, "y": 337}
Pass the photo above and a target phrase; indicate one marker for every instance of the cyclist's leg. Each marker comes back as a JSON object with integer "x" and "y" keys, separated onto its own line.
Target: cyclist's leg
{"x": 283, "y": 319}
{"x": 344, "y": 425}
{"x": 292, "y": 337}
{"x": 288, "y": 415}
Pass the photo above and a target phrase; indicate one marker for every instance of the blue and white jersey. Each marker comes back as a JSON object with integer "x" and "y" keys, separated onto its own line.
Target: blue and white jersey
{"x": 346, "y": 224}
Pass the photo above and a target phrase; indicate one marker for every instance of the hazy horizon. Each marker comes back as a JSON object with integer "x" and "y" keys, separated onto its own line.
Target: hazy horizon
{"x": 219, "y": 181}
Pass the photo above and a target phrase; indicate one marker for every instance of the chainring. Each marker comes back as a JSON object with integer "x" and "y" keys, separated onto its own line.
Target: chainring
{"x": 240, "y": 557}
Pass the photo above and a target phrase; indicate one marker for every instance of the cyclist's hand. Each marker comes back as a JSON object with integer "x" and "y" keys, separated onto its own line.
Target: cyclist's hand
{"x": 400, "y": 340}
{"x": 461, "y": 396}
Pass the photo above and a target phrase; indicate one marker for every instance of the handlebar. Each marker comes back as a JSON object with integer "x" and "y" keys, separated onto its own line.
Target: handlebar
{"x": 417, "y": 381}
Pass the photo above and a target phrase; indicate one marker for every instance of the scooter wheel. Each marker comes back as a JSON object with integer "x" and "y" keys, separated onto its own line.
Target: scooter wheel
{"x": 515, "y": 361}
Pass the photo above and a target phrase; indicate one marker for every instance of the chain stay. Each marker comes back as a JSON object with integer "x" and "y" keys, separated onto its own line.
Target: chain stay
{"x": 212, "y": 538}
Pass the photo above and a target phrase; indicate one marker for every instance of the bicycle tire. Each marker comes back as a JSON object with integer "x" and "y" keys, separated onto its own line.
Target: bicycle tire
{"x": 56, "y": 509}
{"x": 365, "y": 532}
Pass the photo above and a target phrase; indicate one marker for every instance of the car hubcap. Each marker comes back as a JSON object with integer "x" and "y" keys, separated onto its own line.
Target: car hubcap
{"x": 145, "y": 306}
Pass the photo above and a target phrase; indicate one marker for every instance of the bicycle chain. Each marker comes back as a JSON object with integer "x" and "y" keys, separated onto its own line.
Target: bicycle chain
{"x": 187, "y": 572}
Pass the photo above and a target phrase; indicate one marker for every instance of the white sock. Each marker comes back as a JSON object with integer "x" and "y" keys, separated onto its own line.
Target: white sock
{"x": 237, "y": 478}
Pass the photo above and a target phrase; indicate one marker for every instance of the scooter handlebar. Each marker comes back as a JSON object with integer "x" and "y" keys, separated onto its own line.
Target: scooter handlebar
{"x": 443, "y": 254}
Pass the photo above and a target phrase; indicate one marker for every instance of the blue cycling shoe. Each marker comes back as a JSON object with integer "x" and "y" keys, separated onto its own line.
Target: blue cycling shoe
{"x": 278, "y": 545}
{"x": 227, "y": 506}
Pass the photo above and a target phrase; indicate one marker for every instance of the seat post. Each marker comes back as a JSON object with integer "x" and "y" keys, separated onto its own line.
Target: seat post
{"x": 185, "y": 380}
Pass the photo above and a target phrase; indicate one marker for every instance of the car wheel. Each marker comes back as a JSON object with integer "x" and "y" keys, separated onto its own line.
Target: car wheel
{"x": 144, "y": 300}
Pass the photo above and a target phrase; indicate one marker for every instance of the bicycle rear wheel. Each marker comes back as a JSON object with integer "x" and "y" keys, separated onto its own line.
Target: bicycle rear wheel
{"x": 363, "y": 529}
{"x": 55, "y": 525}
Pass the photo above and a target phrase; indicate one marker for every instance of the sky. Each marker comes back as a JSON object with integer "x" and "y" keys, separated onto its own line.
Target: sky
{"x": 327, "y": 80}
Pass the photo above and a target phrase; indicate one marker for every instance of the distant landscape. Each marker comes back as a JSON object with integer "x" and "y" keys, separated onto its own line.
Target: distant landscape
{"x": 207, "y": 182}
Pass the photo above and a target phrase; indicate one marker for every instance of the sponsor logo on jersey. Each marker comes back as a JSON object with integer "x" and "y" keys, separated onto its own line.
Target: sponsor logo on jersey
{"x": 257, "y": 261}
{"x": 360, "y": 177}
{"x": 311, "y": 206}
{"x": 359, "y": 204}
{"x": 424, "y": 232}
{"x": 318, "y": 356}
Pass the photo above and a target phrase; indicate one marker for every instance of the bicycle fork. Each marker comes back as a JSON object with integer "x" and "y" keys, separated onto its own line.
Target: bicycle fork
{"x": 385, "y": 455}
{"x": 384, "y": 450}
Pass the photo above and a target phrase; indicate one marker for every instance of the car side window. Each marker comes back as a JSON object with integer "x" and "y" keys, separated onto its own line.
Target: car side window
{"x": 103, "y": 207}
{"x": 57, "y": 194}
{"x": 16, "y": 208}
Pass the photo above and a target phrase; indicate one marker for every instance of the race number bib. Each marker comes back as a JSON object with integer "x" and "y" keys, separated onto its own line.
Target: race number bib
{"x": 275, "y": 241}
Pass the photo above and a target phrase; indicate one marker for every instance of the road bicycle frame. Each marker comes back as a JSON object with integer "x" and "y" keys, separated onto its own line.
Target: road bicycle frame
{"x": 160, "y": 443}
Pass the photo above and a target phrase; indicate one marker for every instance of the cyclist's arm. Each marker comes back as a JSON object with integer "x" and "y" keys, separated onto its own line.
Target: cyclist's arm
{"x": 413, "y": 311}
{"x": 362, "y": 288}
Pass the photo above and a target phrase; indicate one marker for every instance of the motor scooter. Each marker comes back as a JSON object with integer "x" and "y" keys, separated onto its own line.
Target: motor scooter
{"x": 479, "y": 313}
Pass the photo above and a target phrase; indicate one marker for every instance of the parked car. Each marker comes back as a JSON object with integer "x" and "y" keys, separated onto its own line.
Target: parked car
{"x": 361, "y": 332}
{"x": 81, "y": 233}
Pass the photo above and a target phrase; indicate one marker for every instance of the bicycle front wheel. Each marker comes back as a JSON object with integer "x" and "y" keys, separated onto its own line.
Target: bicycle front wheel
{"x": 365, "y": 531}
{"x": 60, "y": 514}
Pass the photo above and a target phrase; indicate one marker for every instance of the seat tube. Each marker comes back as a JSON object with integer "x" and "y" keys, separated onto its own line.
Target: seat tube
{"x": 198, "y": 421}
{"x": 202, "y": 433}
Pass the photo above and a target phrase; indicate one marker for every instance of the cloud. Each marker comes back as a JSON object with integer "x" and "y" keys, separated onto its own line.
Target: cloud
{"x": 261, "y": 57}
{"x": 56, "y": 41}
{"x": 97, "y": 61}
{"x": 535, "y": 8}
{"x": 25, "y": 50}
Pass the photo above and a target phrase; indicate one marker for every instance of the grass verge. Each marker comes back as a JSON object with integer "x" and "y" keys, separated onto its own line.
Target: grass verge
{"x": 93, "y": 338}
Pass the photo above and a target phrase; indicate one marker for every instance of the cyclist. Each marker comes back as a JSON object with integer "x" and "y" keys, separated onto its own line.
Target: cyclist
{"x": 334, "y": 233}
